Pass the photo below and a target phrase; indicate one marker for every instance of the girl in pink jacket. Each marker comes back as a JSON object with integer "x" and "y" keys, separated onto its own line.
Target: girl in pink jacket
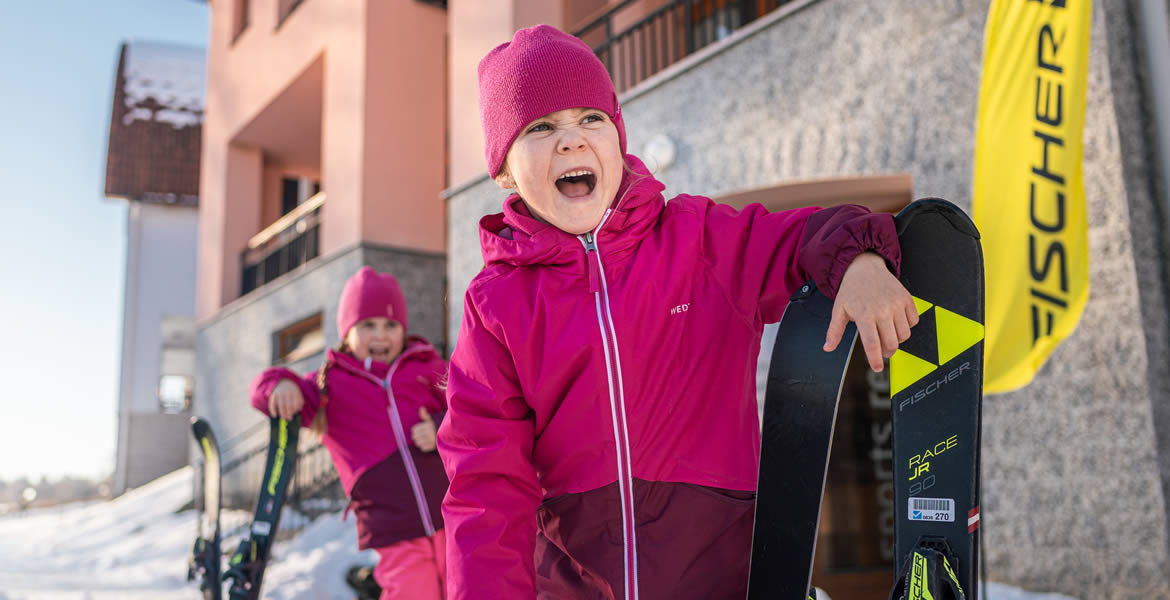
{"x": 602, "y": 438}
{"x": 375, "y": 402}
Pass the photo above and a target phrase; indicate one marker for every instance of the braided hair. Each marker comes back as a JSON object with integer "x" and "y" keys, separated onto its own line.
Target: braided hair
{"x": 320, "y": 425}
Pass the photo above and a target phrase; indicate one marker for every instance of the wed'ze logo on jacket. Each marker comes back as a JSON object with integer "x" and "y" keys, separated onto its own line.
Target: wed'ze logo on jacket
{"x": 681, "y": 308}
{"x": 940, "y": 336}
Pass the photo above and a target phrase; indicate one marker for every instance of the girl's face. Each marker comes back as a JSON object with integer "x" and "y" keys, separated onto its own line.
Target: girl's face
{"x": 567, "y": 167}
{"x": 378, "y": 338}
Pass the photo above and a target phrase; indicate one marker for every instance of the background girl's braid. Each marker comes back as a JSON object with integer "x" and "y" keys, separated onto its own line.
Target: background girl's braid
{"x": 320, "y": 424}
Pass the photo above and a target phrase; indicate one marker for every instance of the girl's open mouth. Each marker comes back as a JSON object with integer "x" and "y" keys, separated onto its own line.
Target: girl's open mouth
{"x": 576, "y": 184}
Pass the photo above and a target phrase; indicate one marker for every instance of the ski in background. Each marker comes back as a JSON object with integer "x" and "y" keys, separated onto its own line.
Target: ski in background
{"x": 800, "y": 411}
{"x": 246, "y": 567}
{"x": 205, "y": 556}
{"x": 936, "y": 389}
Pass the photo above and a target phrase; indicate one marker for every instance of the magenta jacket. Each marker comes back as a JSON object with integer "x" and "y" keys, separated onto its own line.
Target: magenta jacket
{"x": 597, "y": 363}
{"x": 395, "y": 495}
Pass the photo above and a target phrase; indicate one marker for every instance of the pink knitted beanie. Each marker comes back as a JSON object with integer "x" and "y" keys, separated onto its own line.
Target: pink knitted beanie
{"x": 542, "y": 70}
{"x": 370, "y": 294}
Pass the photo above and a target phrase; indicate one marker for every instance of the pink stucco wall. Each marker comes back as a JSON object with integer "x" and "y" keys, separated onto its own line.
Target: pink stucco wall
{"x": 350, "y": 89}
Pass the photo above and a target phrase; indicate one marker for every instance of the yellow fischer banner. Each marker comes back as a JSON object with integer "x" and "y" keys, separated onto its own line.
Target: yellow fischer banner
{"x": 1029, "y": 197}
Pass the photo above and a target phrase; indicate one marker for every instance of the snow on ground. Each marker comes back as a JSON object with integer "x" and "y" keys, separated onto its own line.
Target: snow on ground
{"x": 999, "y": 591}
{"x": 135, "y": 547}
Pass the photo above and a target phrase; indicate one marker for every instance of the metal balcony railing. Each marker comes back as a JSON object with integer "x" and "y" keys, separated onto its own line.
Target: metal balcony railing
{"x": 286, "y": 244}
{"x": 666, "y": 35}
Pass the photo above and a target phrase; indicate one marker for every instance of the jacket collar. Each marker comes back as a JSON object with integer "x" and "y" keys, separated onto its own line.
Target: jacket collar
{"x": 414, "y": 348}
{"x": 515, "y": 237}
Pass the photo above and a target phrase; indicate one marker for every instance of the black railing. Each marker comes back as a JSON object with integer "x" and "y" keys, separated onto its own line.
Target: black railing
{"x": 665, "y": 35}
{"x": 314, "y": 490}
{"x": 283, "y": 246}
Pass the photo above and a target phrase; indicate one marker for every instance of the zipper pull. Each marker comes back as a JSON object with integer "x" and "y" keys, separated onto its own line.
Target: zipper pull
{"x": 591, "y": 246}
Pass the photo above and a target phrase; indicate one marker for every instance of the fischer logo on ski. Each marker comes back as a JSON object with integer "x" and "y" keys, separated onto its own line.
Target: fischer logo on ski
{"x": 953, "y": 335}
{"x": 936, "y": 394}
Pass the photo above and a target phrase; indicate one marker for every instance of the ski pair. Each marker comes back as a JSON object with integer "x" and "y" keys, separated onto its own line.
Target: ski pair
{"x": 204, "y": 561}
{"x": 246, "y": 567}
{"x": 936, "y": 387}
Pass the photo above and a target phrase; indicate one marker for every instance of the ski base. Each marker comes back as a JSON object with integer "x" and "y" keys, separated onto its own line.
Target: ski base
{"x": 205, "y": 555}
{"x": 246, "y": 567}
{"x": 936, "y": 389}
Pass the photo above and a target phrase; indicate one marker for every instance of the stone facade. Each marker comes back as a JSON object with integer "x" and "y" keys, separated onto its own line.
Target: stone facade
{"x": 1076, "y": 466}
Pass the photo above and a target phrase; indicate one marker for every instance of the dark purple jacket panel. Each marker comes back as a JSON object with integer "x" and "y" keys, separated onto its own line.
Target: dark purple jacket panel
{"x": 381, "y": 499}
{"x": 693, "y": 542}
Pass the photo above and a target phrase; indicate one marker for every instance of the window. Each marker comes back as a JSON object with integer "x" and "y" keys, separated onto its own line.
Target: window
{"x": 176, "y": 383}
{"x": 285, "y": 8}
{"x": 294, "y": 191}
{"x": 239, "y": 18}
{"x": 299, "y": 340}
{"x": 175, "y": 393}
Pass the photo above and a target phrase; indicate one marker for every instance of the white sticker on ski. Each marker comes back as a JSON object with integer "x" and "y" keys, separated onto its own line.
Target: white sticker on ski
{"x": 261, "y": 527}
{"x": 931, "y": 509}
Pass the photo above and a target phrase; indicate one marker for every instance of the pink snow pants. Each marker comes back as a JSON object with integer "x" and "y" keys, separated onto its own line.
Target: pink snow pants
{"x": 415, "y": 568}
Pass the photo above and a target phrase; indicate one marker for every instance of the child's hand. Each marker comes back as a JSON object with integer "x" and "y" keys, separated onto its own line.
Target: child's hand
{"x": 286, "y": 399}
{"x": 423, "y": 433}
{"x": 875, "y": 300}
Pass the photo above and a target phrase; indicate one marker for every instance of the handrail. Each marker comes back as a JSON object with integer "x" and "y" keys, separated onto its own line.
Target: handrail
{"x": 665, "y": 35}
{"x": 605, "y": 13}
{"x": 286, "y": 221}
{"x": 314, "y": 489}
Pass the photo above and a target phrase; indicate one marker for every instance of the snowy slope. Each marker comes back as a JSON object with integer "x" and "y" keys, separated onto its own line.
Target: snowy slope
{"x": 135, "y": 547}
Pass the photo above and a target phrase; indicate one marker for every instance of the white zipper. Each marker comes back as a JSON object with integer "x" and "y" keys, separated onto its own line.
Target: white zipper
{"x": 618, "y": 412}
{"x": 404, "y": 448}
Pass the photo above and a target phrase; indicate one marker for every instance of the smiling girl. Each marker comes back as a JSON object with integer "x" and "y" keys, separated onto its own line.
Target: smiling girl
{"x": 375, "y": 402}
{"x": 602, "y": 438}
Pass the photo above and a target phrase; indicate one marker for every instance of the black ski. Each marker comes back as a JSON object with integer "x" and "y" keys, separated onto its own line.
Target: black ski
{"x": 936, "y": 389}
{"x": 205, "y": 556}
{"x": 246, "y": 568}
{"x": 942, "y": 268}
{"x": 800, "y": 410}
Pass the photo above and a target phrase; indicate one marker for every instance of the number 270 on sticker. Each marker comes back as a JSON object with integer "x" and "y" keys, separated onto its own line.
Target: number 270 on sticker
{"x": 931, "y": 509}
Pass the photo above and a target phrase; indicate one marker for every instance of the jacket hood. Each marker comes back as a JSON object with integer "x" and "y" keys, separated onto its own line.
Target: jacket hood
{"x": 514, "y": 237}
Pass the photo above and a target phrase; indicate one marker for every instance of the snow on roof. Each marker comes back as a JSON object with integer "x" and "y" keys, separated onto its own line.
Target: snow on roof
{"x": 173, "y": 76}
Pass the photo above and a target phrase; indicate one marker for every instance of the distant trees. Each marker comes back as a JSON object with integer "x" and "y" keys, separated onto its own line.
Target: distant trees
{"x": 51, "y": 492}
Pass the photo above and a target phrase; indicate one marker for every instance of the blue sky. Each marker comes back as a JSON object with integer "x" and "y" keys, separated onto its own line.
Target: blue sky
{"x": 62, "y": 242}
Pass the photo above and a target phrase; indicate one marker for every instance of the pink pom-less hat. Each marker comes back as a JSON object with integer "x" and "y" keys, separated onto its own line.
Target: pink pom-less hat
{"x": 542, "y": 70}
{"x": 370, "y": 294}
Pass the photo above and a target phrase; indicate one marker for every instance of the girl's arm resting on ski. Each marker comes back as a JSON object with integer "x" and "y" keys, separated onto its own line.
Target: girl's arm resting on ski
{"x": 854, "y": 257}
{"x": 486, "y": 445}
{"x": 875, "y": 300}
{"x": 834, "y": 236}
{"x": 763, "y": 257}
{"x": 266, "y": 382}
{"x": 753, "y": 254}
{"x": 769, "y": 255}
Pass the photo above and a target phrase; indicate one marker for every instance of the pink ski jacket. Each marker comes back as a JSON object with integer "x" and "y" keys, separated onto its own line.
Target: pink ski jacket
{"x": 395, "y": 494}
{"x": 627, "y": 353}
